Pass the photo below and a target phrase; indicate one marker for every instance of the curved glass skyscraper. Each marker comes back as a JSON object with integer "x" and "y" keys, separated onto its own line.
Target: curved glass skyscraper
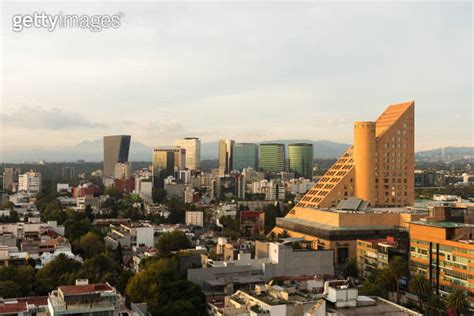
{"x": 300, "y": 157}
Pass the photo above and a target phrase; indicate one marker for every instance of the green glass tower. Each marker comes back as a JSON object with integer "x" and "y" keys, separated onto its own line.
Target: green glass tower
{"x": 301, "y": 159}
{"x": 245, "y": 155}
{"x": 272, "y": 157}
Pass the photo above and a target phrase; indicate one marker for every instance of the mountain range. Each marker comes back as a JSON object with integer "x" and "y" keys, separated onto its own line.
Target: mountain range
{"x": 92, "y": 151}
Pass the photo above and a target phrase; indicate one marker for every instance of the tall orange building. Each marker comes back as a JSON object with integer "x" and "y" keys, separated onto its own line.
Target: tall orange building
{"x": 378, "y": 169}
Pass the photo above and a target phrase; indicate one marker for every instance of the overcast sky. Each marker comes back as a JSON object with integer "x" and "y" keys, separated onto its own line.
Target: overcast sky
{"x": 247, "y": 71}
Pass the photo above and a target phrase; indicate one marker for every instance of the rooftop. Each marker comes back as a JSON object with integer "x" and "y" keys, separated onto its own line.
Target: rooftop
{"x": 442, "y": 224}
{"x": 84, "y": 289}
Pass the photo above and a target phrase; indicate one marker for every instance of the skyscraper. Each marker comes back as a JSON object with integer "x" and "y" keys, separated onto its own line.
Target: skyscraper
{"x": 193, "y": 151}
{"x": 379, "y": 167}
{"x": 165, "y": 162}
{"x": 10, "y": 178}
{"x": 377, "y": 171}
{"x": 226, "y": 155}
{"x": 301, "y": 159}
{"x": 30, "y": 182}
{"x": 272, "y": 157}
{"x": 245, "y": 155}
{"x": 116, "y": 150}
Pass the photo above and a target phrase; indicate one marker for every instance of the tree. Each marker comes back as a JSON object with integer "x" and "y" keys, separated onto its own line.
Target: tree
{"x": 398, "y": 267}
{"x": 9, "y": 289}
{"x": 435, "y": 306}
{"x": 61, "y": 271}
{"x": 385, "y": 280}
{"x": 372, "y": 289}
{"x": 172, "y": 241}
{"x": 271, "y": 213}
{"x": 158, "y": 195}
{"x": 272, "y": 236}
{"x": 170, "y": 299}
{"x": 420, "y": 286}
{"x": 350, "y": 269}
{"x": 457, "y": 300}
{"x": 144, "y": 284}
{"x": 91, "y": 244}
{"x": 23, "y": 277}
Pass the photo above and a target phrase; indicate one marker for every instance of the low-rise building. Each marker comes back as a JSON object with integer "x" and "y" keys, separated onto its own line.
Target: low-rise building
{"x": 30, "y": 182}
{"x": 195, "y": 218}
{"x": 373, "y": 254}
{"x": 444, "y": 253}
{"x": 130, "y": 235}
{"x": 252, "y": 223}
{"x": 84, "y": 299}
{"x": 290, "y": 257}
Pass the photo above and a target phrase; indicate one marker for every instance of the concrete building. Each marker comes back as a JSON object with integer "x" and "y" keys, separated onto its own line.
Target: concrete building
{"x": 378, "y": 169}
{"x": 373, "y": 254}
{"x": 192, "y": 145}
{"x": 30, "y": 182}
{"x": 123, "y": 170}
{"x": 195, "y": 218}
{"x": 252, "y": 223}
{"x": 10, "y": 178}
{"x": 274, "y": 190}
{"x": 231, "y": 185}
{"x": 245, "y": 156}
{"x": 25, "y": 306}
{"x": 130, "y": 235}
{"x": 68, "y": 173}
{"x": 305, "y": 296}
{"x": 166, "y": 161}
{"x": 339, "y": 228}
{"x": 272, "y": 259}
{"x": 271, "y": 157}
{"x": 443, "y": 252}
{"x": 300, "y": 158}
{"x": 226, "y": 156}
{"x": 84, "y": 299}
{"x": 116, "y": 149}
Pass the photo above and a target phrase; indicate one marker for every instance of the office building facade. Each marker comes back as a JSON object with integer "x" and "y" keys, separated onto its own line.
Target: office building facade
{"x": 226, "y": 156}
{"x": 245, "y": 156}
{"x": 193, "y": 152}
{"x": 30, "y": 182}
{"x": 300, "y": 158}
{"x": 10, "y": 178}
{"x": 444, "y": 253}
{"x": 165, "y": 162}
{"x": 116, "y": 149}
{"x": 272, "y": 157}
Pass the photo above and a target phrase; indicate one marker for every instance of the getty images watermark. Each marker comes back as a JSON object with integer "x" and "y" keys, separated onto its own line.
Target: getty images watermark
{"x": 94, "y": 23}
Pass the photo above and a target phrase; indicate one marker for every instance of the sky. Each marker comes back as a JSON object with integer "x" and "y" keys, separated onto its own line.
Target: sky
{"x": 250, "y": 71}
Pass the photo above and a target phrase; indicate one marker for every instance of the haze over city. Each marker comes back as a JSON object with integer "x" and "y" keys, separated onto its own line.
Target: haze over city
{"x": 251, "y": 72}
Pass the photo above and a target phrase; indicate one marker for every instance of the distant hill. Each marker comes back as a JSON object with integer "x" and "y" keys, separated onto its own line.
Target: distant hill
{"x": 446, "y": 153}
{"x": 93, "y": 151}
{"x": 323, "y": 149}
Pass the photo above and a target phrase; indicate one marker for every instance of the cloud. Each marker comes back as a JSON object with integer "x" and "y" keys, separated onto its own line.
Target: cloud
{"x": 39, "y": 117}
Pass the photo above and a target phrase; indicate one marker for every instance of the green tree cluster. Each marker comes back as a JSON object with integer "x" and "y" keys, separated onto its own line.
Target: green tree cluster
{"x": 165, "y": 293}
{"x": 172, "y": 241}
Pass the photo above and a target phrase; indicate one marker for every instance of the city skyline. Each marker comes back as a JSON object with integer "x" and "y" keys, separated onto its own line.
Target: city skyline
{"x": 184, "y": 77}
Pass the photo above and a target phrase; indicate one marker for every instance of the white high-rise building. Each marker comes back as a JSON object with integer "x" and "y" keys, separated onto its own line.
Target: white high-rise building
{"x": 123, "y": 170}
{"x": 193, "y": 151}
{"x": 30, "y": 182}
